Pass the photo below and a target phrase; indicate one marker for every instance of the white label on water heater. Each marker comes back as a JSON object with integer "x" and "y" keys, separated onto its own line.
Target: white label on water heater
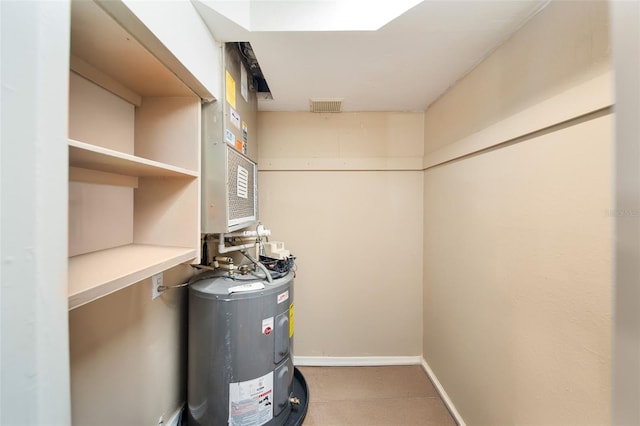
{"x": 246, "y": 287}
{"x": 267, "y": 326}
{"x": 251, "y": 402}
{"x": 283, "y": 297}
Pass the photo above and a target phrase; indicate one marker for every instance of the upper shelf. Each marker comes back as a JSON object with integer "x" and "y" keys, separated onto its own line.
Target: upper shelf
{"x": 127, "y": 51}
{"x": 93, "y": 157}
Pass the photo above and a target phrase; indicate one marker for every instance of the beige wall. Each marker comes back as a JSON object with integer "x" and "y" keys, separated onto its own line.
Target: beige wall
{"x": 517, "y": 257}
{"x": 128, "y": 355}
{"x": 332, "y": 191}
{"x": 565, "y": 45}
{"x": 625, "y": 34}
{"x": 345, "y": 141}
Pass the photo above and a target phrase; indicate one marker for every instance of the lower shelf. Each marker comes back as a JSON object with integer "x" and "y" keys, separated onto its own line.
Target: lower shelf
{"x": 97, "y": 274}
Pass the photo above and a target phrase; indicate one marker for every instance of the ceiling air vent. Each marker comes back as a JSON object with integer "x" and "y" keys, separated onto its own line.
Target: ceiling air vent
{"x": 325, "y": 105}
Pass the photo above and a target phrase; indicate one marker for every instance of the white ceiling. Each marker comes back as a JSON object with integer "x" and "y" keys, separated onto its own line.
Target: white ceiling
{"x": 402, "y": 66}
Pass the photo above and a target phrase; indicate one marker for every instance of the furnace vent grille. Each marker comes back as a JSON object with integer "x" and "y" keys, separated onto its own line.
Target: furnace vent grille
{"x": 325, "y": 105}
{"x": 241, "y": 188}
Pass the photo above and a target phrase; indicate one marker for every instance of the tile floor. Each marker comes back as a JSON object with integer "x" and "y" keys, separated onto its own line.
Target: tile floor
{"x": 393, "y": 395}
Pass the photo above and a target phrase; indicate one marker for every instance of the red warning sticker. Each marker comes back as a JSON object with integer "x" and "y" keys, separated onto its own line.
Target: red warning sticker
{"x": 283, "y": 297}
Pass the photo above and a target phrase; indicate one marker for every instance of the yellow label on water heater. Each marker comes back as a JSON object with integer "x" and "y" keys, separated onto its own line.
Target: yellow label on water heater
{"x": 290, "y": 321}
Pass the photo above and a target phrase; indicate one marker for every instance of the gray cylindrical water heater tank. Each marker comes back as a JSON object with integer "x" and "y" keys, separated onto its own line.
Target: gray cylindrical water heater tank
{"x": 240, "y": 367}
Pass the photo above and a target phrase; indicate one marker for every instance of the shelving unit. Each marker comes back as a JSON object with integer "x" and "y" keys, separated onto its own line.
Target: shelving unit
{"x": 134, "y": 156}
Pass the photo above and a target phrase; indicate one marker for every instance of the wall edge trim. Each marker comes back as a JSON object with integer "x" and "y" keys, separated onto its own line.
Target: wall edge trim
{"x": 355, "y": 361}
{"x": 341, "y": 164}
{"x": 589, "y": 97}
{"x": 443, "y": 394}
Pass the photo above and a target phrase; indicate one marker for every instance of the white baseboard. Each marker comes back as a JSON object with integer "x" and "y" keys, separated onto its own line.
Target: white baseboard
{"x": 355, "y": 361}
{"x": 443, "y": 394}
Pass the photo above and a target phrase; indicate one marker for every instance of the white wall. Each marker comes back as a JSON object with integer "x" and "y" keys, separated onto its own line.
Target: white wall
{"x": 34, "y": 357}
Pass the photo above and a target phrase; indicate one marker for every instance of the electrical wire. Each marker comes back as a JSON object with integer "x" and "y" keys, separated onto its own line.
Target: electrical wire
{"x": 162, "y": 288}
{"x": 208, "y": 271}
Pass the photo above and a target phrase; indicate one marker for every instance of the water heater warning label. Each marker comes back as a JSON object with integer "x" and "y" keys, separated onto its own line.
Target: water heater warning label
{"x": 251, "y": 402}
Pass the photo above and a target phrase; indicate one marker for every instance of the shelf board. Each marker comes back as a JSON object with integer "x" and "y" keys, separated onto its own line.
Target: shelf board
{"x": 97, "y": 274}
{"x": 87, "y": 156}
{"x": 108, "y": 36}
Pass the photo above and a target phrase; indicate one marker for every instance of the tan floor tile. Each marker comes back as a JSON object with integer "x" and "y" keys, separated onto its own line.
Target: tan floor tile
{"x": 379, "y": 412}
{"x": 349, "y": 383}
{"x": 389, "y": 395}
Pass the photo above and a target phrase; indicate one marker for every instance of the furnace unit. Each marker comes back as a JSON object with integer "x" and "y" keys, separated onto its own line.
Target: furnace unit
{"x": 229, "y": 151}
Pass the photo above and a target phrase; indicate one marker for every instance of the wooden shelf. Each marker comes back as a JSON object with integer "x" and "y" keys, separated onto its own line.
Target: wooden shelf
{"x": 97, "y": 274}
{"x": 134, "y": 154}
{"x": 114, "y": 47}
{"x": 94, "y": 157}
